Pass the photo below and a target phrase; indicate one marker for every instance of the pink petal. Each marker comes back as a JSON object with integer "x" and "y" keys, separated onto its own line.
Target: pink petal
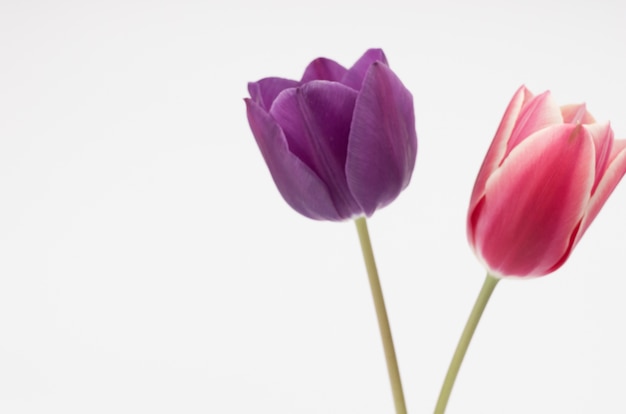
{"x": 538, "y": 113}
{"x": 602, "y": 135}
{"x": 576, "y": 114}
{"x": 496, "y": 151}
{"x": 534, "y": 202}
{"x": 612, "y": 176}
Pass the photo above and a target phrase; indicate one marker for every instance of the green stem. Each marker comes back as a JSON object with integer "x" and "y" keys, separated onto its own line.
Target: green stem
{"x": 481, "y": 302}
{"x": 381, "y": 314}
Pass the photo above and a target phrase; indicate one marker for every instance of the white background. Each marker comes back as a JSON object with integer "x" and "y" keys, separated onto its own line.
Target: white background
{"x": 149, "y": 265}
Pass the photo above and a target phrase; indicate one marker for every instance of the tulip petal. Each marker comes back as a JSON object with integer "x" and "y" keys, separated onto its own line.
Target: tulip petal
{"x": 612, "y": 176}
{"x": 323, "y": 69}
{"x": 538, "y": 113}
{"x": 356, "y": 74}
{"x": 383, "y": 142}
{"x": 602, "y": 135}
{"x": 496, "y": 151}
{"x": 301, "y": 188}
{"x": 534, "y": 202}
{"x": 316, "y": 121}
{"x": 265, "y": 91}
{"x": 576, "y": 114}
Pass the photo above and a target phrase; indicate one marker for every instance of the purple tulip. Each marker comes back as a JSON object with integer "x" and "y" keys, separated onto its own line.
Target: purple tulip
{"x": 340, "y": 143}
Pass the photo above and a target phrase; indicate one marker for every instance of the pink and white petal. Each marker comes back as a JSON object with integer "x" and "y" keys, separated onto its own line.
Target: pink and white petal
{"x": 602, "y": 135}
{"x": 612, "y": 176}
{"x": 265, "y": 91}
{"x": 534, "y": 202}
{"x": 576, "y": 114}
{"x": 301, "y": 188}
{"x": 538, "y": 113}
{"x": 323, "y": 69}
{"x": 383, "y": 142}
{"x": 497, "y": 149}
{"x": 356, "y": 74}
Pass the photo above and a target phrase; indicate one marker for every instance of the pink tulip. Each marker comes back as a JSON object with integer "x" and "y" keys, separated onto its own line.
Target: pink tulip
{"x": 546, "y": 176}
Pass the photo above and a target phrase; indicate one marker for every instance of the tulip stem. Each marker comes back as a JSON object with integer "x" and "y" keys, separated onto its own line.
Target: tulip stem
{"x": 381, "y": 314}
{"x": 472, "y": 322}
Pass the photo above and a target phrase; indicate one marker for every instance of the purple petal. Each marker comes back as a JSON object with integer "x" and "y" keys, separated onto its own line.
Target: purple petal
{"x": 356, "y": 74}
{"x": 316, "y": 121}
{"x": 323, "y": 69}
{"x": 383, "y": 141}
{"x": 301, "y": 188}
{"x": 265, "y": 91}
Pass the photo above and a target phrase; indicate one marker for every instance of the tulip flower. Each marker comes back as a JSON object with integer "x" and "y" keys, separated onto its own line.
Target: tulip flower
{"x": 340, "y": 143}
{"x": 546, "y": 175}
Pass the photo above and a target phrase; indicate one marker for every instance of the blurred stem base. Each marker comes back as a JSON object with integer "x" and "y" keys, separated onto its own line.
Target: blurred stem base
{"x": 481, "y": 302}
{"x": 381, "y": 314}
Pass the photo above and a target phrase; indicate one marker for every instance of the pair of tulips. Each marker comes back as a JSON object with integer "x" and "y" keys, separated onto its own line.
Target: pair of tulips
{"x": 341, "y": 143}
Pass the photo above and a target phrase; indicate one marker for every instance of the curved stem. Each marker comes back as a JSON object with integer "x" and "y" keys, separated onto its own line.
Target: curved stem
{"x": 381, "y": 314}
{"x": 481, "y": 302}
